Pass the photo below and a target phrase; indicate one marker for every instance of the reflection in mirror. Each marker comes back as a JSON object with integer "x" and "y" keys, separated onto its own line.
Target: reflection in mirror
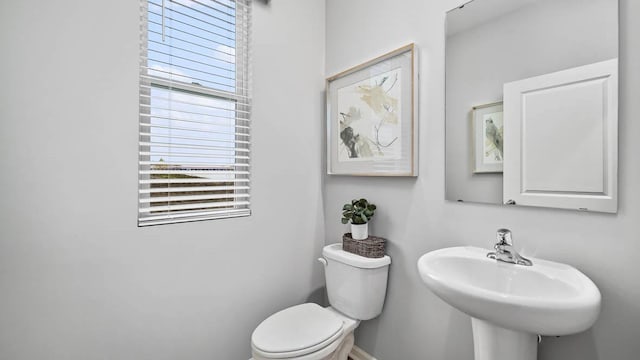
{"x": 493, "y": 42}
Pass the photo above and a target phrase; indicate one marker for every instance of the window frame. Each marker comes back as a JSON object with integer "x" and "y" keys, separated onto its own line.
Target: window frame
{"x": 242, "y": 109}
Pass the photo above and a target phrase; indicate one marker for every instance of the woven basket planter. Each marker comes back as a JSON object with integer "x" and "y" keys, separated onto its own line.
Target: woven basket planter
{"x": 371, "y": 247}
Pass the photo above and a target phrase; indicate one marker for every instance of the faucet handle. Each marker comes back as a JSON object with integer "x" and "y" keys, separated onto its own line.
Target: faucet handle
{"x": 504, "y": 237}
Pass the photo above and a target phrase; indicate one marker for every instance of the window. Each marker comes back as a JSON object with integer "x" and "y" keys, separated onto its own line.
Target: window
{"x": 194, "y": 154}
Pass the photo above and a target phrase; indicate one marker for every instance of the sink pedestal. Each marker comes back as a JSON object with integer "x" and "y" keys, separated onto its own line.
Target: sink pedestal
{"x": 491, "y": 342}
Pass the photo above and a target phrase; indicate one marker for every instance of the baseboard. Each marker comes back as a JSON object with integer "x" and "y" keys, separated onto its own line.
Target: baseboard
{"x": 359, "y": 354}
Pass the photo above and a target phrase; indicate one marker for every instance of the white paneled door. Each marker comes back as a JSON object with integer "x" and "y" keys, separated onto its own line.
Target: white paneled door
{"x": 561, "y": 139}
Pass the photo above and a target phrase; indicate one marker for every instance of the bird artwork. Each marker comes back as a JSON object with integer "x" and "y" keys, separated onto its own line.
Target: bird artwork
{"x": 493, "y": 136}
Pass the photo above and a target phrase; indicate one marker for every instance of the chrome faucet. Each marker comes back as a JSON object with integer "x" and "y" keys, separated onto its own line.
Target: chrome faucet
{"x": 505, "y": 251}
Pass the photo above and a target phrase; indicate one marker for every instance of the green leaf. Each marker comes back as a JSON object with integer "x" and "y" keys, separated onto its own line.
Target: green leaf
{"x": 358, "y": 212}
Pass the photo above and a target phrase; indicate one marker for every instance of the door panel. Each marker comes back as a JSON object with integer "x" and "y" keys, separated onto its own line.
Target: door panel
{"x": 561, "y": 139}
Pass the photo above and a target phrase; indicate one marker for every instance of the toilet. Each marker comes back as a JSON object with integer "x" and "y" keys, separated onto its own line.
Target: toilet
{"x": 356, "y": 287}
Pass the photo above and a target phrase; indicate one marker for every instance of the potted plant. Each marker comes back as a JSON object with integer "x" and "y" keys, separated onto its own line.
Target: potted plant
{"x": 358, "y": 212}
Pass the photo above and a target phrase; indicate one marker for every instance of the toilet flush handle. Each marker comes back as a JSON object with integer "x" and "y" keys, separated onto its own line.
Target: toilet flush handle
{"x": 323, "y": 261}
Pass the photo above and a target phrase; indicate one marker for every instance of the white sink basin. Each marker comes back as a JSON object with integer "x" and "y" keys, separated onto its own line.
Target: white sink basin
{"x": 547, "y": 298}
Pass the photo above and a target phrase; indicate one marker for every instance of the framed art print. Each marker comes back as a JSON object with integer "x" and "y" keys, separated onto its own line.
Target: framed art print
{"x": 488, "y": 137}
{"x": 372, "y": 117}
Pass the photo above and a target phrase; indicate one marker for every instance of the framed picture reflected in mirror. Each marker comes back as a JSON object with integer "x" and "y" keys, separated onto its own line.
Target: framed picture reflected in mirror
{"x": 488, "y": 138}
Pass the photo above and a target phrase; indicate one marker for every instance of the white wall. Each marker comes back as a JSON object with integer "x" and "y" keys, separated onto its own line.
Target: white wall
{"x": 480, "y": 60}
{"x": 414, "y": 216}
{"x": 78, "y": 279}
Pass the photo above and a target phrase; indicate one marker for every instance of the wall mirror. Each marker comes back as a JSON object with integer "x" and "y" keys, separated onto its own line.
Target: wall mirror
{"x": 531, "y": 103}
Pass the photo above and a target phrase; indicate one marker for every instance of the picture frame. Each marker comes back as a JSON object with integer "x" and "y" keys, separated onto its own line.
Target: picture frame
{"x": 372, "y": 117}
{"x": 487, "y": 125}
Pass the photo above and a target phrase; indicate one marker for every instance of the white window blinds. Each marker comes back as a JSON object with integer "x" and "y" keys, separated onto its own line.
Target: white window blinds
{"x": 194, "y": 153}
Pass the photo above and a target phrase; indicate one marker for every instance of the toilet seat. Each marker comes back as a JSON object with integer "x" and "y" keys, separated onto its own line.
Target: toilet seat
{"x": 297, "y": 331}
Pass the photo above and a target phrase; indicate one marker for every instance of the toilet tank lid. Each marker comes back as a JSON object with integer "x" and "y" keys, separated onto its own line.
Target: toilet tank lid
{"x": 335, "y": 252}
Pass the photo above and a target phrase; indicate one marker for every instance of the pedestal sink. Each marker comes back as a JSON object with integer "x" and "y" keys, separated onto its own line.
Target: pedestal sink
{"x": 511, "y": 304}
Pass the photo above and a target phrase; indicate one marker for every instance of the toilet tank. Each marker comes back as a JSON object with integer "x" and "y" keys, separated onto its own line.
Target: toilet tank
{"x": 356, "y": 285}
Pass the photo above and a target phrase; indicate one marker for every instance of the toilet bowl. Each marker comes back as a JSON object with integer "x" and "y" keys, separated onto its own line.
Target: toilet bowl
{"x": 356, "y": 287}
{"x": 304, "y": 332}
